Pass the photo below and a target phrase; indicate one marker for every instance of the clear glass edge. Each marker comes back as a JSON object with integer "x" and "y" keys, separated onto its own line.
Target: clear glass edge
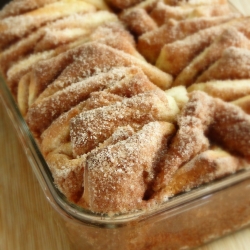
{"x": 60, "y": 203}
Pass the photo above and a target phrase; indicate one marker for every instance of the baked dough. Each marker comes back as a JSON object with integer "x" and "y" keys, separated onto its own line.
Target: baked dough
{"x": 130, "y": 102}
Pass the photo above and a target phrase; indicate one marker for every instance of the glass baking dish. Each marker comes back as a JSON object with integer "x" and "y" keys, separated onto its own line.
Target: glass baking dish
{"x": 184, "y": 222}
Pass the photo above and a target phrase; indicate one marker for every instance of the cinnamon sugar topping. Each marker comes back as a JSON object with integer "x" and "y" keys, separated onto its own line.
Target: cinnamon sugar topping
{"x": 131, "y": 102}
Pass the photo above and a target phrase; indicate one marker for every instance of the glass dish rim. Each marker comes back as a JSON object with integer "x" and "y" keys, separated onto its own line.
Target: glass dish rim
{"x": 62, "y": 205}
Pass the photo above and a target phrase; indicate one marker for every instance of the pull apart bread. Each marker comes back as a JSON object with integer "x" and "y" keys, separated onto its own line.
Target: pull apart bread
{"x": 131, "y": 102}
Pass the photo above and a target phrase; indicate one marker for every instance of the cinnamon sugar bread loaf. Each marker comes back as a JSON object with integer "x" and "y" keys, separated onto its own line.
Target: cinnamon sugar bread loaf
{"x": 131, "y": 102}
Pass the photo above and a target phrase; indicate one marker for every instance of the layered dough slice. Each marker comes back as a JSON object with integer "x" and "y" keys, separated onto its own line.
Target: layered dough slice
{"x": 15, "y": 27}
{"x": 115, "y": 35}
{"x": 204, "y": 119}
{"x": 130, "y": 86}
{"x": 137, "y": 18}
{"x": 151, "y": 43}
{"x": 234, "y": 64}
{"x": 206, "y": 167}
{"x": 117, "y": 177}
{"x": 230, "y": 37}
{"x": 163, "y": 12}
{"x": 158, "y": 23}
{"x": 72, "y": 28}
{"x": 44, "y": 111}
{"x": 105, "y": 33}
{"x": 122, "y": 85}
{"x": 50, "y": 140}
{"x": 19, "y": 7}
{"x": 138, "y": 21}
{"x": 88, "y": 129}
{"x": 68, "y": 171}
{"x": 175, "y": 56}
{"x": 84, "y": 61}
{"x": 50, "y": 41}
{"x": 227, "y": 90}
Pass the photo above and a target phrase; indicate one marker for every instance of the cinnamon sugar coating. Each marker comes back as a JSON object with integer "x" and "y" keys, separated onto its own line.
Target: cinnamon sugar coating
{"x": 132, "y": 82}
{"x": 123, "y": 82}
{"x": 46, "y": 108}
{"x": 14, "y": 8}
{"x": 163, "y": 12}
{"x": 131, "y": 102}
{"x": 15, "y": 27}
{"x": 90, "y": 59}
{"x": 234, "y": 64}
{"x": 203, "y": 168}
{"x": 228, "y": 90}
{"x": 190, "y": 138}
{"x": 175, "y": 56}
{"x": 138, "y": 21}
{"x": 151, "y": 43}
{"x": 230, "y": 37}
{"x": 91, "y": 128}
{"x": 44, "y": 111}
{"x": 58, "y": 151}
{"x": 205, "y": 119}
{"x": 116, "y": 176}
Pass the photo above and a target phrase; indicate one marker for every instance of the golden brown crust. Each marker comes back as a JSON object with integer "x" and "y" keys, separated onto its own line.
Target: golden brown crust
{"x": 203, "y": 168}
{"x": 234, "y": 64}
{"x": 89, "y": 59}
{"x": 67, "y": 171}
{"x": 163, "y": 12}
{"x": 235, "y": 125}
{"x": 138, "y": 21}
{"x": 190, "y": 139}
{"x": 18, "y": 7}
{"x": 150, "y": 44}
{"x": 67, "y": 174}
{"x": 16, "y": 27}
{"x": 51, "y": 139}
{"x": 175, "y": 56}
{"x": 201, "y": 119}
{"x": 227, "y": 90}
{"x": 117, "y": 132}
{"x": 116, "y": 36}
{"x": 57, "y": 146}
{"x": 52, "y": 39}
{"x": 121, "y": 166}
{"x": 88, "y": 129}
{"x": 44, "y": 110}
{"x": 230, "y": 37}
